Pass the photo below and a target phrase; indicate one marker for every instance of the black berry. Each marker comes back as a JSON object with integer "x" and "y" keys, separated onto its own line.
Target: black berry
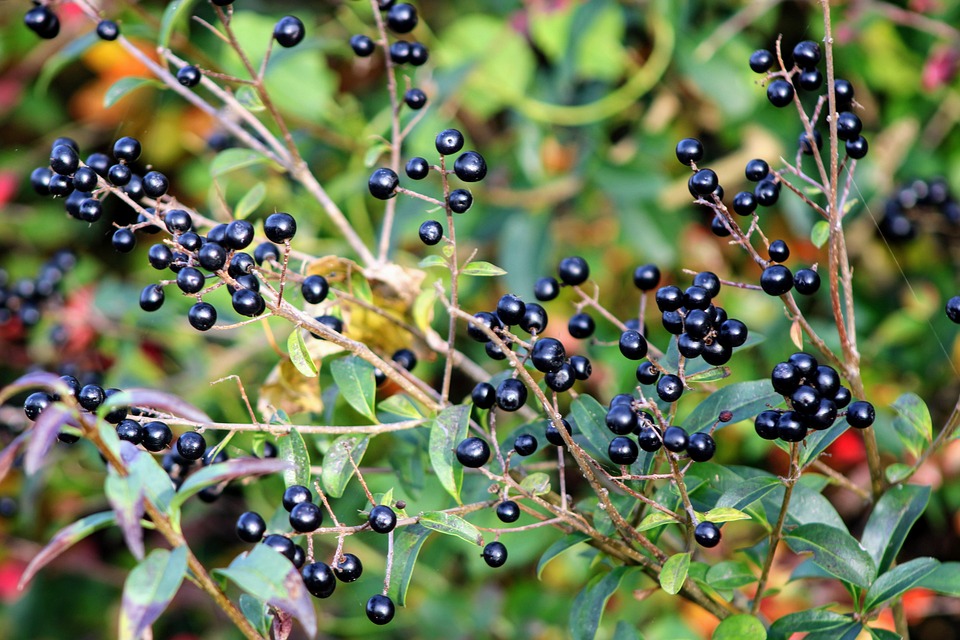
{"x": 279, "y": 227}
{"x": 780, "y": 93}
{"x": 362, "y": 45}
{"x": 380, "y": 609}
{"x": 701, "y": 446}
{"x": 294, "y": 495}
{"x": 383, "y": 183}
{"x": 495, "y": 554}
{"x": 689, "y": 151}
{"x": 675, "y": 439}
{"x": 402, "y": 18}
{"x": 860, "y": 414}
{"x": 508, "y": 511}
{"x": 415, "y": 98}
{"x": 191, "y": 445}
{"x": 761, "y": 60}
{"x": 319, "y": 580}
{"x": 460, "y": 200}
{"x": 349, "y": 569}
{"x": 306, "y": 517}
{"x": 289, "y": 31}
{"x": 623, "y": 450}
{"x": 470, "y": 166}
{"x": 189, "y": 76}
{"x": 779, "y": 251}
{"x": 546, "y": 289}
{"x": 431, "y": 232}
{"x": 156, "y": 436}
{"x": 707, "y": 534}
{"x": 250, "y": 527}
{"x": 525, "y": 444}
{"x": 473, "y": 452}
{"x": 776, "y": 280}
{"x": 449, "y": 141}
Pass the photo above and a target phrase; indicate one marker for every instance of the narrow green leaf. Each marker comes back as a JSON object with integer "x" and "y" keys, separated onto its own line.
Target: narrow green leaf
{"x": 224, "y": 472}
{"x": 451, "y": 525}
{"x": 674, "y": 572}
{"x": 446, "y": 432}
{"x": 745, "y": 493}
{"x": 818, "y": 441}
{"x": 406, "y": 547}
{"x": 400, "y": 405}
{"x": 850, "y": 631}
{"x": 123, "y": 86}
{"x": 150, "y": 477}
{"x": 293, "y": 451}
{"x": 744, "y": 399}
{"x": 588, "y": 606}
{"x": 269, "y": 576}
{"x": 740, "y": 627}
{"x": 481, "y": 268}
{"x": 898, "y": 472}
{"x": 724, "y": 514}
{"x": 709, "y": 375}
{"x": 894, "y": 514}
{"x": 812, "y": 620}
{"x": 175, "y": 16}
{"x": 300, "y": 356}
{"x": 149, "y": 588}
{"x": 835, "y": 551}
{"x": 536, "y": 483}
{"x": 563, "y": 544}
{"x": 357, "y": 384}
{"x": 63, "y": 540}
{"x": 250, "y": 201}
{"x": 256, "y": 613}
{"x": 337, "y": 470}
{"x": 655, "y": 519}
{"x": 250, "y": 99}
{"x": 820, "y": 233}
{"x": 625, "y": 631}
{"x": 898, "y": 580}
{"x": 372, "y": 155}
{"x": 945, "y": 579}
{"x": 234, "y": 159}
{"x": 913, "y": 423}
{"x": 433, "y": 260}
{"x": 730, "y": 574}
{"x": 884, "y": 634}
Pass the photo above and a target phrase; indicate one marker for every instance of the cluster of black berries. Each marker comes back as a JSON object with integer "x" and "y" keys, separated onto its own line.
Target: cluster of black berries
{"x": 319, "y": 578}
{"x": 777, "y": 280}
{"x": 816, "y": 398}
{"x": 89, "y": 397}
{"x": 24, "y": 299}
{"x": 44, "y": 22}
{"x": 919, "y": 203}
{"x": 401, "y": 18}
{"x": 805, "y": 75}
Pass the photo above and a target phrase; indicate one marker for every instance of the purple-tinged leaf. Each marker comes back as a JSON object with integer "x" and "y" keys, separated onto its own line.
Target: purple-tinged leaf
{"x": 149, "y": 589}
{"x": 158, "y": 401}
{"x": 9, "y": 455}
{"x": 34, "y": 380}
{"x": 223, "y": 471}
{"x": 269, "y": 576}
{"x": 44, "y": 431}
{"x": 125, "y": 495}
{"x": 148, "y": 475}
{"x": 64, "y": 539}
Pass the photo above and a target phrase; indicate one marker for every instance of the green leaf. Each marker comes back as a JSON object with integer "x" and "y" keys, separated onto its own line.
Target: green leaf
{"x": 406, "y": 547}
{"x": 563, "y": 544}
{"x": 256, "y": 613}
{"x": 913, "y": 423}
{"x": 400, "y": 405}
{"x": 149, "y": 477}
{"x": 898, "y": 580}
{"x": 234, "y": 159}
{"x": 123, "y": 86}
{"x": 433, "y": 260}
{"x": 945, "y": 579}
{"x": 589, "y": 604}
{"x": 250, "y": 201}
{"x": 884, "y": 634}
{"x": 625, "y": 631}
{"x": 835, "y": 551}
{"x": 481, "y": 268}
{"x": 817, "y": 442}
{"x": 293, "y": 451}
{"x": 744, "y": 399}
{"x": 740, "y": 627}
{"x": 63, "y": 540}
{"x": 709, "y": 375}
{"x": 337, "y": 470}
{"x": 743, "y": 494}
{"x": 812, "y": 620}
{"x": 674, "y": 572}
{"x": 357, "y": 384}
{"x": 820, "y": 233}
{"x": 63, "y": 58}
{"x": 224, "y": 472}
{"x": 536, "y": 483}
{"x": 125, "y": 495}
{"x": 451, "y": 525}
{"x": 724, "y": 514}
{"x": 300, "y": 355}
{"x": 250, "y": 99}
{"x": 175, "y": 16}
{"x": 269, "y": 576}
{"x": 894, "y": 514}
{"x": 372, "y": 155}
{"x": 446, "y": 432}
{"x": 655, "y": 519}
{"x": 149, "y": 588}
{"x": 897, "y": 472}
{"x": 730, "y": 574}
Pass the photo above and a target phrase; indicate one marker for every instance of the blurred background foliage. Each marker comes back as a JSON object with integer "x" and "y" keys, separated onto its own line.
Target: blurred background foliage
{"x": 577, "y": 107}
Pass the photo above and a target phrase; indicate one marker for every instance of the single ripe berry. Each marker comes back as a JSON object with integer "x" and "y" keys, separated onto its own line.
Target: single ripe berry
{"x": 405, "y": 358}
{"x": 669, "y": 388}
{"x": 156, "y": 436}
{"x": 744, "y": 203}
{"x": 623, "y": 450}
{"x": 460, "y": 200}
{"x": 400, "y": 52}
{"x": 675, "y": 439}
{"x": 282, "y": 545}
{"x": 581, "y": 326}
{"x": 419, "y": 54}
{"x": 779, "y": 251}
{"x": 860, "y": 414}
{"x": 43, "y": 22}
{"x": 473, "y": 452}
{"x": 470, "y": 166}
{"x": 621, "y": 419}
{"x": 649, "y": 439}
{"x": 633, "y": 346}
{"x": 689, "y": 151}
{"x": 35, "y": 403}
{"x": 704, "y": 182}
{"x": 534, "y": 319}
{"x": 362, "y": 45}
{"x": 548, "y": 355}
{"x": 251, "y": 527}
{"x": 382, "y": 519}
{"x": 484, "y": 396}
{"x": 380, "y": 609}
{"x": 155, "y": 184}
{"x": 191, "y": 445}
{"x": 511, "y": 309}
{"x": 767, "y": 192}
{"x": 647, "y": 373}
{"x": 126, "y": 149}
{"x": 562, "y": 379}
{"x": 780, "y": 93}
{"x": 190, "y": 280}
{"x": 761, "y": 60}
{"x": 294, "y": 495}
{"x": 707, "y": 534}
{"x": 732, "y": 333}
{"x": 415, "y": 98}
{"x": 508, "y": 511}
{"x": 805, "y": 363}
{"x": 124, "y": 240}
{"x": 843, "y": 91}
{"x": 91, "y": 396}
{"x": 431, "y": 232}
{"x": 669, "y": 298}
{"x": 64, "y": 159}
{"x": 952, "y": 309}
{"x": 776, "y": 280}
{"x": 383, "y": 183}
{"x": 248, "y": 302}
{"x": 843, "y": 397}
{"x": 449, "y": 141}
{"x": 848, "y": 126}
{"x": 484, "y": 319}
{"x": 511, "y": 395}
{"x": 765, "y": 424}
{"x": 495, "y": 554}
{"x": 701, "y": 446}
{"x": 289, "y": 31}
{"x": 130, "y": 430}
{"x": 806, "y": 146}
{"x": 189, "y": 76}
{"x": 306, "y": 517}
{"x": 417, "y": 168}
{"x": 279, "y": 227}
{"x": 856, "y": 148}
{"x": 402, "y": 18}
{"x": 806, "y": 281}
{"x": 546, "y": 289}
{"x": 646, "y": 277}
{"x": 806, "y": 54}
{"x": 319, "y": 580}
{"x": 790, "y": 427}
{"x": 151, "y": 298}
{"x": 756, "y": 170}
{"x": 525, "y": 444}
{"x": 810, "y": 79}
{"x": 573, "y": 271}
{"x": 349, "y": 569}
